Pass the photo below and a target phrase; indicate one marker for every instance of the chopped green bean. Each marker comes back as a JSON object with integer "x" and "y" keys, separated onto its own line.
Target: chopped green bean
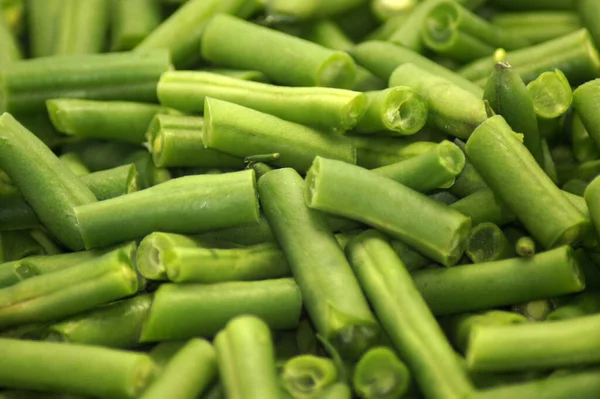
{"x": 589, "y": 12}
{"x": 409, "y": 33}
{"x": 132, "y": 22}
{"x": 9, "y": 48}
{"x": 310, "y": 9}
{"x": 535, "y": 311}
{"x": 583, "y": 304}
{"x": 82, "y": 27}
{"x": 525, "y": 246}
{"x": 538, "y": 26}
{"x": 72, "y": 161}
{"x": 487, "y": 243}
{"x": 379, "y": 374}
{"x": 551, "y": 96}
{"x": 43, "y": 21}
{"x": 307, "y": 376}
{"x": 584, "y": 147}
{"x": 19, "y": 244}
{"x": 375, "y": 151}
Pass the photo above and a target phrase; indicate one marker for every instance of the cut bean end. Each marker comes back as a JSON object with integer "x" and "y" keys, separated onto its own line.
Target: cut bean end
{"x": 406, "y": 111}
{"x": 338, "y": 71}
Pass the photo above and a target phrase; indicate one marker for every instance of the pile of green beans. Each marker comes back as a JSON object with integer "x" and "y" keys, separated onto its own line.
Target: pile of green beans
{"x": 300, "y": 199}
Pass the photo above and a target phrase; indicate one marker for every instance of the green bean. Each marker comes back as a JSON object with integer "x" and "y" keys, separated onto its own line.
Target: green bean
{"x": 525, "y": 246}
{"x": 574, "y": 384}
{"x": 10, "y": 48}
{"x": 242, "y": 131}
{"x": 428, "y": 171}
{"x": 15, "y": 245}
{"x": 584, "y": 147}
{"x": 382, "y": 58}
{"x": 584, "y": 100}
{"x": 66, "y": 292}
{"x": 52, "y": 191}
{"x": 375, "y": 151}
{"x": 452, "y": 109}
{"x": 330, "y": 291}
{"x": 395, "y": 111}
{"x": 246, "y": 359}
{"x": 74, "y": 163}
{"x": 500, "y": 283}
{"x": 338, "y": 390}
{"x": 458, "y": 328}
{"x": 468, "y": 182}
{"x": 548, "y": 164}
{"x": 574, "y": 54}
{"x": 386, "y": 10}
{"x": 518, "y": 5}
{"x": 170, "y": 207}
{"x": 325, "y": 108}
{"x": 575, "y": 186}
{"x": 43, "y": 19}
{"x": 187, "y": 374}
{"x": 260, "y": 168}
{"x": 409, "y": 33}
{"x": 300, "y": 9}
{"x": 255, "y": 76}
{"x": 132, "y": 22}
{"x": 215, "y": 392}
{"x": 410, "y": 258}
{"x": 564, "y": 343}
{"x": 108, "y": 120}
{"x": 551, "y": 96}
{"x": 518, "y": 181}
{"x": 380, "y": 374}
{"x": 286, "y": 347}
{"x": 182, "y": 32}
{"x": 82, "y": 27}
{"x": 163, "y": 352}
{"x": 116, "y": 325}
{"x": 51, "y": 366}
{"x": 178, "y": 141}
{"x": 357, "y": 22}
{"x": 342, "y": 189}
{"x": 307, "y": 376}
{"x": 120, "y": 76}
{"x": 534, "y": 310}
{"x": 483, "y": 206}
{"x": 181, "y": 311}
{"x": 405, "y": 317}
{"x": 583, "y": 304}
{"x": 298, "y": 62}
{"x": 509, "y": 97}
{"x": 538, "y": 26}
{"x": 588, "y": 12}
{"x": 243, "y": 235}
{"x": 487, "y": 243}
{"x": 451, "y": 30}
{"x": 589, "y": 265}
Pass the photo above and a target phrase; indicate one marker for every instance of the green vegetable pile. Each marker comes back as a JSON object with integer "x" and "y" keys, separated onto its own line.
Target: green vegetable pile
{"x": 300, "y": 199}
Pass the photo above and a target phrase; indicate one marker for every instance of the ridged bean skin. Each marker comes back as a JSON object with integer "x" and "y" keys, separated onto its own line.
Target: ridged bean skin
{"x": 430, "y": 227}
{"x": 190, "y": 204}
{"x": 132, "y": 22}
{"x": 500, "y": 283}
{"x": 182, "y": 31}
{"x": 286, "y": 60}
{"x": 246, "y": 359}
{"x": 405, "y": 317}
{"x": 78, "y": 369}
{"x": 187, "y": 374}
{"x": 126, "y": 76}
{"x": 452, "y": 30}
{"x": 321, "y": 107}
{"x": 519, "y": 182}
{"x": 181, "y": 311}
{"x": 574, "y": 54}
{"x": 243, "y": 132}
{"x": 53, "y": 191}
{"x": 380, "y": 374}
{"x": 179, "y": 141}
{"x": 452, "y": 109}
{"x": 107, "y": 120}
{"x": 330, "y": 292}
{"x": 82, "y": 27}
{"x": 382, "y": 58}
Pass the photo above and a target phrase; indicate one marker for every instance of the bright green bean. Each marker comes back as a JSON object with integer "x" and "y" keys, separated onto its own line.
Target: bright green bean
{"x": 255, "y": 76}
{"x": 307, "y": 376}
{"x": 500, "y": 283}
{"x": 116, "y": 325}
{"x": 406, "y": 318}
{"x": 286, "y": 60}
{"x": 395, "y": 111}
{"x": 78, "y": 369}
{"x": 242, "y": 131}
{"x": 487, "y": 243}
{"x": 538, "y": 26}
{"x": 331, "y": 294}
{"x": 535, "y": 311}
{"x": 82, "y": 27}
{"x": 584, "y": 147}
{"x": 375, "y": 151}
{"x": 350, "y": 191}
{"x": 379, "y": 374}
{"x": 171, "y": 207}
{"x": 53, "y": 191}
{"x": 519, "y": 182}
{"x": 187, "y": 374}
{"x": 409, "y": 33}
{"x": 452, "y": 109}
{"x": 9, "y": 48}
{"x": 181, "y": 311}
{"x": 72, "y": 161}
{"x": 247, "y": 359}
{"x": 26, "y": 85}
{"x": 325, "y": 108}
{"x": 551, "y": 96}
{"x": 132, "y": 22}
{"x": 589, "y": 11}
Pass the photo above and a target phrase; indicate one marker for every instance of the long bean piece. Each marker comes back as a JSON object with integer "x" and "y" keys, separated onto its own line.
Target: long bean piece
{"x": 26, "y": 85}
{"x": 181, "y": 311}
{"x": 182, "y": 32}
{"x": 247, "y": 359}
{"x": 585, "y": 100}
{"x": 350, "y": 191}
{"x": 589, "y": 12}
{"x": 82, "y": 27}
{"x": 301, "y": 9}
{"x": 242, "y": 132}
{"x": 330, "y": 291}
{"x": 380, "y": 374}
{"x": 107, "y": 120}
{"x": 375, "y": 151}
{"x": 53, "y": 191}
{"x": 583, "y": 304}
{"x": 132, "y": 22}
{"x": 302, "y": 63}
{"x": 308, "y": 375}
{"x": 518, "y": 181}
{"x": 500, "y": 283}
{"x": 201, "y": 207}
{"x": 43, "y": 18}
{"x": 187, "y": 374}
{"x": 538, "y": 26}
{"x": 406, "y": 318}
{"x": 49, "y": 366}
{"x": 452, "y": 109}
{"x": 326, "y": 108}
